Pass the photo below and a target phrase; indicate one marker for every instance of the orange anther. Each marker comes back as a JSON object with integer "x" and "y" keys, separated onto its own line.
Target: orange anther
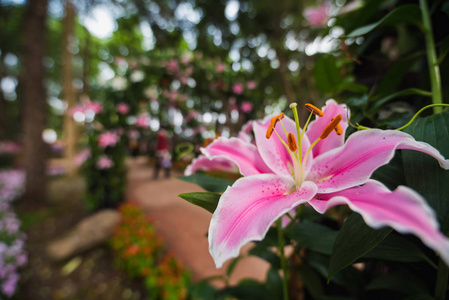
{"x": 338, "y": 129}
{"x": 314, "y": 110}
{"x": 331, "y": 126}
{"x": 273, "y": 123}
{"x": 207, "y": 142}
{"x": 291, "y": 140}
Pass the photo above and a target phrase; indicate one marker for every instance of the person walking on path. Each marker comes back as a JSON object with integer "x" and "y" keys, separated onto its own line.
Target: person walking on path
{"x": 163, "y": 156}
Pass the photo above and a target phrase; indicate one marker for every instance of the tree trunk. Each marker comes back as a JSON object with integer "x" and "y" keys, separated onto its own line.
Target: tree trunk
{"x": 69, "y": 91}
{"x": 35, "y": 152}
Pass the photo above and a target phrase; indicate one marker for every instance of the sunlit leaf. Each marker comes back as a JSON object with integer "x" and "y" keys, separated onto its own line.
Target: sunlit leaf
{"x": 206, "y": 200}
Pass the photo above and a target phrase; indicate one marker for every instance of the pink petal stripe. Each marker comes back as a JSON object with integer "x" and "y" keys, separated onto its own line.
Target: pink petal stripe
{"x": 206, "y": 164}
{"x": 364, "y": 152}
{"x": 273, "y": 152}
{"x": 315, "y": 128}
{"x": 248, "y": 209}
{"x": 403, "y": 209}
{"x": 243, "y": 154}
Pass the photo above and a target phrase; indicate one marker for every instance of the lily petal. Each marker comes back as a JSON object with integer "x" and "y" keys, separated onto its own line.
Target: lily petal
{"x": 364, "y": 152}
{"x": 243, "y": 154}
{"x": 403, "y": 209}
{"x": 273, "y": 152}
{"x": 315, "y": 128}
{"x": 246, "y": 211}
{"x": 206, "y": 164}
{"x": 245, "y": 133}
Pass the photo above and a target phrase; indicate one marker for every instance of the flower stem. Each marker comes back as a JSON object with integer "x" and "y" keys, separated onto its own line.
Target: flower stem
{"x": 281, "y": 243}
{"x": 442, "y": 278}
{"x": 432, "y": 61}
{"x": 420, "y": 111}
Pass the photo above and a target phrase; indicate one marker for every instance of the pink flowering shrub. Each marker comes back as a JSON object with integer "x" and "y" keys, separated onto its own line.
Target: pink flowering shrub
{"x": 12, "y": 252}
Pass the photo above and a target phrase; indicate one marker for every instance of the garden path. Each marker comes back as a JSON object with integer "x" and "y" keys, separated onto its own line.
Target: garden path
{"x": 183, "y": 226}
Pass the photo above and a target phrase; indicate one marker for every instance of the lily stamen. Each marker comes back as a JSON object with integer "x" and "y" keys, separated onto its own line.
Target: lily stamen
{"x": 314, "y": 110}
{"x": 273, "y": 123}
{"x": 291, "y": 141}
{"x": 331, "y": 126}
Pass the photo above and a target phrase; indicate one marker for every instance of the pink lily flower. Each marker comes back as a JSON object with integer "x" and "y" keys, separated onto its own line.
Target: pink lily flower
{"x": 322, "y": 170}
{"x": 107, "y": 139}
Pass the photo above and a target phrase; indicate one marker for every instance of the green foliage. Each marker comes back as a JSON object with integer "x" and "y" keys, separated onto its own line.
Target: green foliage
{"x": 432, "y": 180}
{"x": 354, "y": 240}
{"x": 206, "y": 200}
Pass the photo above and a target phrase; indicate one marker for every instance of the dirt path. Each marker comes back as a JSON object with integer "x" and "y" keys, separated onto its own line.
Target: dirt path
{"x": 182, "y": 225}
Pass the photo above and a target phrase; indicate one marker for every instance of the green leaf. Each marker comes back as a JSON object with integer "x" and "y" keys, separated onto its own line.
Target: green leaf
{"x": 393, "y": 77}
{"x": 247, "y": 289}
{"x": 403, "y": 282}
{"x": 232, "y": 266}
{"x": 274, "y": 282}
{"x": 409, "y": 14}
{"x": 391, "y": 174}
{"x": 266, "y": 254}
{"x": 353, "y": 87}
{"x": 209, "y": 183}
{"x": 327, "y": 75}
{"x": 354, "y": 240}
{"x": 206, "y": 200}
{"x": 396, "y": 248}
{"x": 422, "y": 172}
{"x": 312, "y": 281}
{"x": 380, "y": 102}
{"x": 313, "y": 236}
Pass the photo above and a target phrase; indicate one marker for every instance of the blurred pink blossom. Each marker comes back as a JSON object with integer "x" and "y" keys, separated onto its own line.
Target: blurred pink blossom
{"x": 120, "y": 61}
{"x": 220, "y": 68}
{"x": 317, "y": 16}
{"x": 237, "y": 88}
{"x": 104, "y": 162}
{"x": 81, "y": 157}
{"x": 232, "y": 101}
{"x": 122, "y": 108}
{"x": 108, "y": 138}
{"x": 133, "y": 134}
{"x": 246, "y": 106}
{"x": 94, "y": 106}
{"x": 192, "y": 114}
{"x": 172, "y": 66}
{"x": 9, "y": 147}
{"x": 173, "y": 95}
{"x": 251, "y": 85}
{"x": 143, "y": 121}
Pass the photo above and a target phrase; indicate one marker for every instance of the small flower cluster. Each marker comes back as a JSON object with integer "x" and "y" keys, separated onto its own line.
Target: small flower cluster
{"x": 11, "y": 185}
{"x": 141, "y": 253}
{"x": 9, "y": 147}
{"x": 12, "y": 253}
